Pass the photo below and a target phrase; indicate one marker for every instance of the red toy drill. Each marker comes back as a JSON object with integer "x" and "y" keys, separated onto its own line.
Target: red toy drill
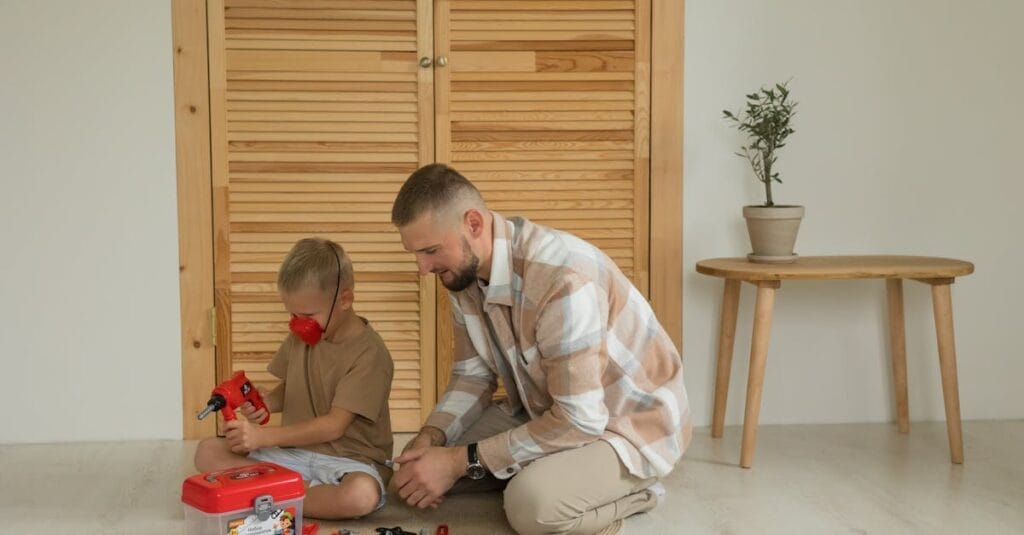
{"x": 231, "y": 394}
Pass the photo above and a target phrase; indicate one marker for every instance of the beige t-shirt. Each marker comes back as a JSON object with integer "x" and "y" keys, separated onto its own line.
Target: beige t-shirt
{"x": 353, "y": 374}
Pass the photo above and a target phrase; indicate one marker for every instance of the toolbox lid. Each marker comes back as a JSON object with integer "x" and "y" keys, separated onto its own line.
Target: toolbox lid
{"x": 238, "y": 488}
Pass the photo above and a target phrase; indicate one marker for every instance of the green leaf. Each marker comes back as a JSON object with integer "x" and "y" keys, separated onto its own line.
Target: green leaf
{"x": 764, "y": 120}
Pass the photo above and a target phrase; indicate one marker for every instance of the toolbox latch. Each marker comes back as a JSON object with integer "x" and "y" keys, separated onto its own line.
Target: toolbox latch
{"x": 264, "y": 506}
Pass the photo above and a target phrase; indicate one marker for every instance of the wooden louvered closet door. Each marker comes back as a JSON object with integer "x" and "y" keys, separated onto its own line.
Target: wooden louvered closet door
{"x": 319, "y": 112}
{"x": 544, "y": 105}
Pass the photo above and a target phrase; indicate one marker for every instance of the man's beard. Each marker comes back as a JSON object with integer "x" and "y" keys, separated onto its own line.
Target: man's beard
{"x": 465, "y": 275}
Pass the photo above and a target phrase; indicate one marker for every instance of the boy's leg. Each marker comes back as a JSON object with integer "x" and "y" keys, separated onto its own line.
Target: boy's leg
{"x": 341, "y": 487}
{"x": 492, "y": 422}
{"x": 582, "y": 490}
{"x": 214, "y": 454}
{"x": 356, "y": 495}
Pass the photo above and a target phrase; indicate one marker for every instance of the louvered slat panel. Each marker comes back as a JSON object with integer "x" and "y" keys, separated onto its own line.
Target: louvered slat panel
{"x": 544, "y": 105}
{"x": 547, "y": 114}
{"x": 322, "y": 118}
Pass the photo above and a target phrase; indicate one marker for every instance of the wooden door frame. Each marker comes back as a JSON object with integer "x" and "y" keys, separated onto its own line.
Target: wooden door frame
{"x": 195, "y": 211}
{"x": 666, "y": 282}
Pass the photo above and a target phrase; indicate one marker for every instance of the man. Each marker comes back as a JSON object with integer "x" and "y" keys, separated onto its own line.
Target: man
{"x": 596, "y": 411}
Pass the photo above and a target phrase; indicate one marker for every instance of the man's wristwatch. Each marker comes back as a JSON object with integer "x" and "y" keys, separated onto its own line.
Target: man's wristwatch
{"x": 475, "y": 469}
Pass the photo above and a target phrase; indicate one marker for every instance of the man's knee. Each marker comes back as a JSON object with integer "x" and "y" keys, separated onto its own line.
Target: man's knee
{"x": 531, "y": 509}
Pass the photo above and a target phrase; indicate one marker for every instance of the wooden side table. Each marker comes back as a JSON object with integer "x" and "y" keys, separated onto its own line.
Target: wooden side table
{"x": 940, "y": 273}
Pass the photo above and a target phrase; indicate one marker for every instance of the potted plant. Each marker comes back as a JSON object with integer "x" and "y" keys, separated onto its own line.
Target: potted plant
{"x": 766, "y": 122}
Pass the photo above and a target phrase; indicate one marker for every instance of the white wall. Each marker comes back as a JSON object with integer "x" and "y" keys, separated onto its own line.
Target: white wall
{"x": 907, "y": 141}
{"x": 89, "y": 322}
{"x": 908, "y": 128}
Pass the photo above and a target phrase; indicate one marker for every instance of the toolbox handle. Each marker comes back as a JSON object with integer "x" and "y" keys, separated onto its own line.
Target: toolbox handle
{"x": 264, "y": 505}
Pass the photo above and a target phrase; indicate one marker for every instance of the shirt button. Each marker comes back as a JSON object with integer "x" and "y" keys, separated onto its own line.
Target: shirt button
{"x": 509, "y": 471}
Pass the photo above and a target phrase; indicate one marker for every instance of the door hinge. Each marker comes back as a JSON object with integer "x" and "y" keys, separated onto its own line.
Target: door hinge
{"x": 213, "y": 326}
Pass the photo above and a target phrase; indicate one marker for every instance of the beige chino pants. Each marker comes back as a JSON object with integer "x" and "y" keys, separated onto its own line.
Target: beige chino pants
{"x": 581, "y": 490}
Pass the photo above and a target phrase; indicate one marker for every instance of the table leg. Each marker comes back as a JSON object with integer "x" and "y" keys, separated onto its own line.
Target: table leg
{"x": 898, "y": 345}
{"x": 726, "y": 337}
{"x": 758, "y": 360}
{"x": 942, "y": 302}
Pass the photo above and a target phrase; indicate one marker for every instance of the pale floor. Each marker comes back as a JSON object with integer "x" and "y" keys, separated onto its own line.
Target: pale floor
{"x": 863, "y": 478}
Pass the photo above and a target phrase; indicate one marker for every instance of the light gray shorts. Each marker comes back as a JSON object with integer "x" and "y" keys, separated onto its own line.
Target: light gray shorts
{"x": 317, "y": 468}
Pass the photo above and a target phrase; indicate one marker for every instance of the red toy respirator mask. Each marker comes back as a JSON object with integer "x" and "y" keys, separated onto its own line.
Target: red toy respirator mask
{"x": 308, "y": 329}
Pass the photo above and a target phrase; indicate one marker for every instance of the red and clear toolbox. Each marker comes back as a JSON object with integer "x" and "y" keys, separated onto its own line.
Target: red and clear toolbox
{"x": 259, "y": 499}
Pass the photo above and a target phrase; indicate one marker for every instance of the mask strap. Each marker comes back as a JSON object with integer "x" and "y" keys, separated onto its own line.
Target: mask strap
{"x": 336, "y": 288}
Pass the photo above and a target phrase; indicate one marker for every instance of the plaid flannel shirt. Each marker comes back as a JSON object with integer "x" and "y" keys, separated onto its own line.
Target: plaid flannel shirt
{"x": 577, "y": 347}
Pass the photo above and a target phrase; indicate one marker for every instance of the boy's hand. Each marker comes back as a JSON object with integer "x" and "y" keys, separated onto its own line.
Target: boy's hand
{"x": 251, "y": 414}
{"x": 243, "y": 436}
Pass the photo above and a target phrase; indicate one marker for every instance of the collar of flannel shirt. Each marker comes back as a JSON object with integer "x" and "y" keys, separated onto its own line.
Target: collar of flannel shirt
{"x": 499, "y": 288}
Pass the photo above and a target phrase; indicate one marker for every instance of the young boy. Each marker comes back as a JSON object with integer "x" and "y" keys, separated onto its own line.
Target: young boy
{"x": 335, "y": 381}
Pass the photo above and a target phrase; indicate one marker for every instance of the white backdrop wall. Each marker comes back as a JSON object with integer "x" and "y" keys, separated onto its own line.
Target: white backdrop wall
{"x": 89, "y": 341}
{"x": 907, "y": 141}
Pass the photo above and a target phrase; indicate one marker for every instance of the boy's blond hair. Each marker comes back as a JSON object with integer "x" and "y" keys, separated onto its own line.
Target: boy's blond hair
{"x": 314, "y": 262}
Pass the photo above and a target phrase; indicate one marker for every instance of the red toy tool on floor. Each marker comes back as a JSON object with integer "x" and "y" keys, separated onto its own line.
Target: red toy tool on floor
{"x": 231, "y": 394}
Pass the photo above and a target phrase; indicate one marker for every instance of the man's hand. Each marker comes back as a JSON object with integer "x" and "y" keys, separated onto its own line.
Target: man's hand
{"x": 251, "y": 414}
{"x": 428, "y": 436}
{"x": 243, "y": 436}
{"x": 427, "y": 473}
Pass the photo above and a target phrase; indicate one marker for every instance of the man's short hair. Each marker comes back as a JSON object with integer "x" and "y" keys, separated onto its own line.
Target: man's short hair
{"x": 434, "y": 188}
{"x": 314, "y": 262}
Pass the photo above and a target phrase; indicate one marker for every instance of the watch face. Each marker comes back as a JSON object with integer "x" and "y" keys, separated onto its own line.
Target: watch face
{"x": 476, "y": 471}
